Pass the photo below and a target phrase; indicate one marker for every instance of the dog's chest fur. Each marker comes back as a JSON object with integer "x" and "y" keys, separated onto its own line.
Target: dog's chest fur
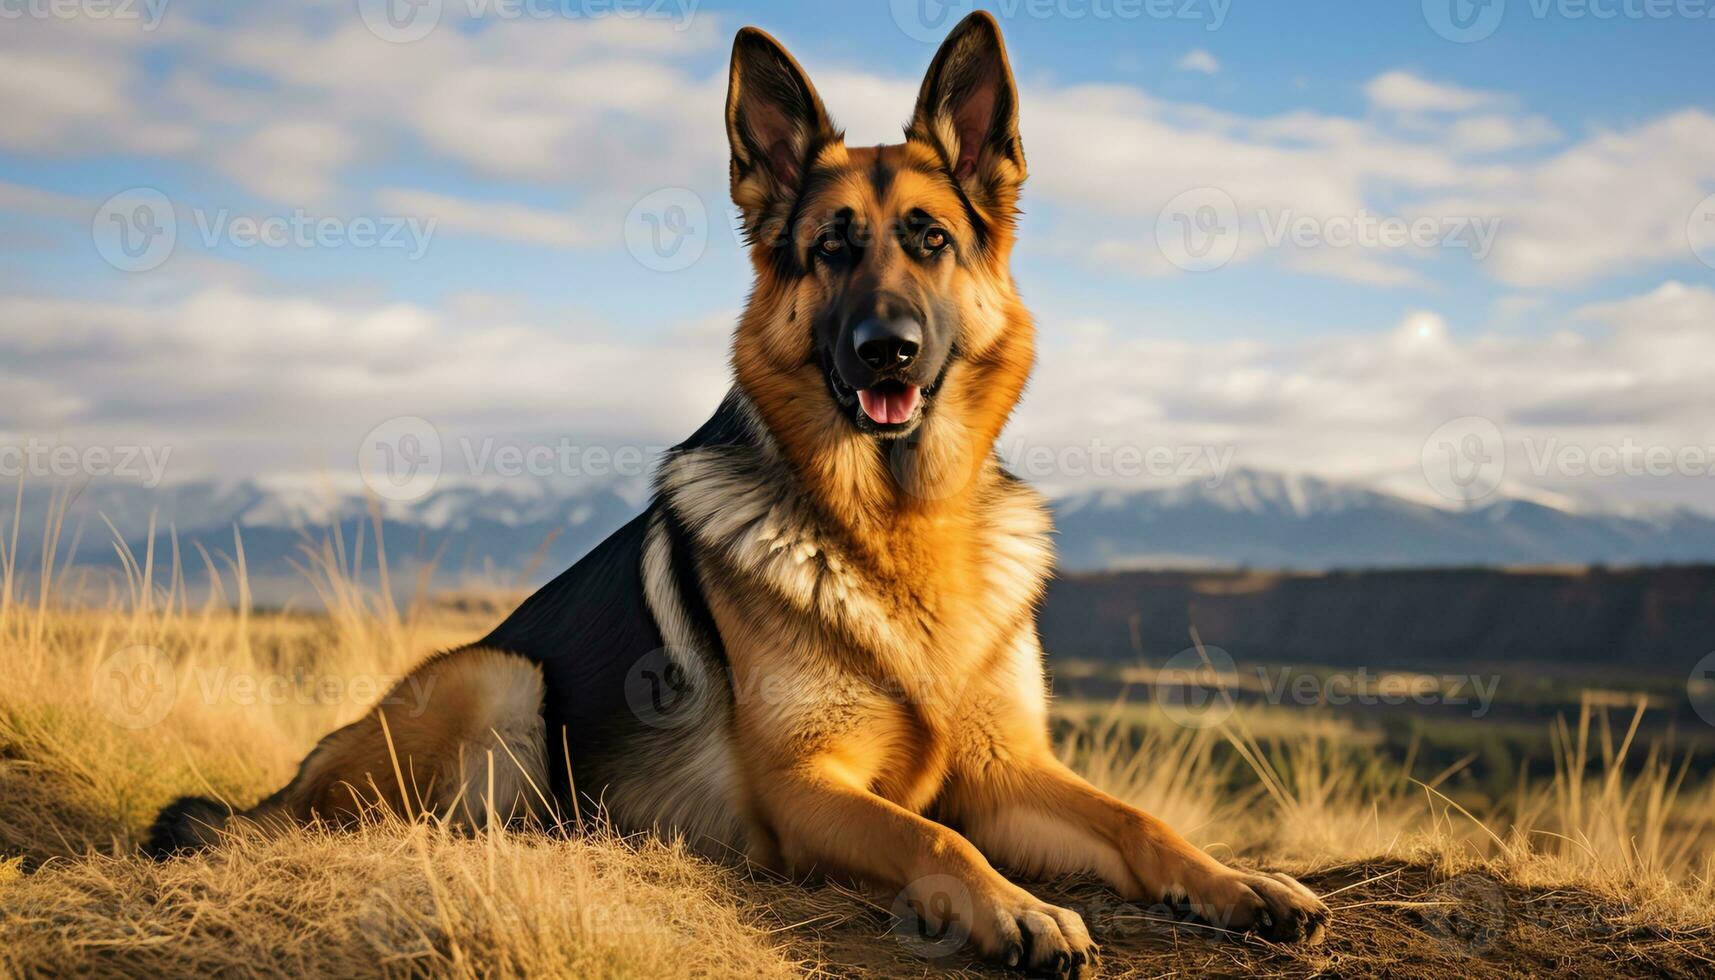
{"x": 876, "y": 659}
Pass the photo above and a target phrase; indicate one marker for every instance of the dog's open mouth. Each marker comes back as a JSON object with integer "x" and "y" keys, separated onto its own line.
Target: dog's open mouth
{"x": 890, "y": 402}
{"x": 889, "y": 407}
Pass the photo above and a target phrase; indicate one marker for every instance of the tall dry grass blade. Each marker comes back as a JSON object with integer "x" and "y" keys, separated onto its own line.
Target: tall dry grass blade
{"x": 9, "y": 561}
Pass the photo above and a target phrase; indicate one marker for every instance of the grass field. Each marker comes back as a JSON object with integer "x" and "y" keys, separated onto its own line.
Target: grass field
{"x": 137, "y": 692}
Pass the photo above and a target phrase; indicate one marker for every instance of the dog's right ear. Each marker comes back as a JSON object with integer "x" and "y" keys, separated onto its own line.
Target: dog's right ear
{"x": 968, "y": 107}
{"x": 775, "y": 123}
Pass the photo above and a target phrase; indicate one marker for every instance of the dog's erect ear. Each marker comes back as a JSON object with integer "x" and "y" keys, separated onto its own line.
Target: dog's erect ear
{"x": 774, "y": 121}
{"x": 968, "y": 106}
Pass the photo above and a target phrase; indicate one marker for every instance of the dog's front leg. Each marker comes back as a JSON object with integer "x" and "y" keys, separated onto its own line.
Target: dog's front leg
{"x": 1032, "y": 813}
{"x": 824, "y": 822}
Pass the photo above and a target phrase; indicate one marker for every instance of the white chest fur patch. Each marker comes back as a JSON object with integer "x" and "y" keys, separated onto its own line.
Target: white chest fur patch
{"x": 743, "y": 504}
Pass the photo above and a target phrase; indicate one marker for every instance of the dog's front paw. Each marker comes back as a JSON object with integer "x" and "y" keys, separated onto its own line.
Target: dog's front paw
{"x": 999, "y": 921}
{"x": 1017, "y": 930}
{"x": 1275, "y": 906}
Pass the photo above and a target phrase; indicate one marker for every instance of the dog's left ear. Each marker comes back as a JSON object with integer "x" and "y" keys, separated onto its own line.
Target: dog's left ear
{"x": 775, "y": 123}
{"x": 968, "y": 107}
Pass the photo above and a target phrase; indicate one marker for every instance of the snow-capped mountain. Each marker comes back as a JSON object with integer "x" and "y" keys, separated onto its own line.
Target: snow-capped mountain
{"x": 1250, "y": 518}
{"x": 461, "y": 533}
{"x": 1271, "y": 520}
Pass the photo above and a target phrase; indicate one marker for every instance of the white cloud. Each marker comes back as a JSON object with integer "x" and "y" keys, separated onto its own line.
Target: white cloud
{"x": 1360, "y": 407}
{"x": 1514, "y": 308}
{"x": 1613, "y": 203}
{"x": 1401, "y": 91}
{"x": 284, "y": 106}
{"x": 1113, "y": 158}
{"x": 61, "y": 103}
{"x": 1616, "y": 203}
{"x": 293, "y": 160}
{"x": 1494, "y": 133}
{"x": 33, "y": 200}
{"x": 533, "y": 100}
{"x": 242, "y": 383}
{"x": 1199, "y": 60}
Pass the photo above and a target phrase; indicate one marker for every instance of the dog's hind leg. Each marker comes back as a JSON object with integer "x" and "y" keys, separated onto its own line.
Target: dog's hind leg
{"x": 460, "y": 738}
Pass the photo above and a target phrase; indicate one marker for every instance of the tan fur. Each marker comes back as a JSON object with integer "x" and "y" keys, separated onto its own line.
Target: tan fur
{"x": 460, "y": 738}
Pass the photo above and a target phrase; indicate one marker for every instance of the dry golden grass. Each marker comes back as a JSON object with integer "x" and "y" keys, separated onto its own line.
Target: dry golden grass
{"x": 108, "y": 709}
{"x": 392, "y": 900}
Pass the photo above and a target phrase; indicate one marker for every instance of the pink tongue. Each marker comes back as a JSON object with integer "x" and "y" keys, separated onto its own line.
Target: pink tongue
{"x": 889, "y": 407}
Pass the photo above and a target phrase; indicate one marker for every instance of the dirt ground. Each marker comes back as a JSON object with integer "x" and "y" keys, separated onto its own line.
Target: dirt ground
{"x": 1391, "y": 919}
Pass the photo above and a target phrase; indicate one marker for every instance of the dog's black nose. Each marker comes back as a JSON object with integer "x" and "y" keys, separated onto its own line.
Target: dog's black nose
{"x": 884, "y": 344}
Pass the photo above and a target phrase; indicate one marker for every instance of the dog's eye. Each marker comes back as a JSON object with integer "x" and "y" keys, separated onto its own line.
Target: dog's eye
{"x": 935, "y": 239}
{"x": 831, "y": 244}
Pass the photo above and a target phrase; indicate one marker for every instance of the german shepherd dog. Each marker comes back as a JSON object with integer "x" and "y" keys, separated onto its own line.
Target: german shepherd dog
{"x": 817, "y": 646}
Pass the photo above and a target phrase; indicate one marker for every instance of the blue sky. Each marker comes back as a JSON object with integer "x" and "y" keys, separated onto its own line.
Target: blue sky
{"x": 525, "y": 149}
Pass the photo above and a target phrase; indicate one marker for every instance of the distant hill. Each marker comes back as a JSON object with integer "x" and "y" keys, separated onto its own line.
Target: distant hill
{"x": 1657, "y": 621}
